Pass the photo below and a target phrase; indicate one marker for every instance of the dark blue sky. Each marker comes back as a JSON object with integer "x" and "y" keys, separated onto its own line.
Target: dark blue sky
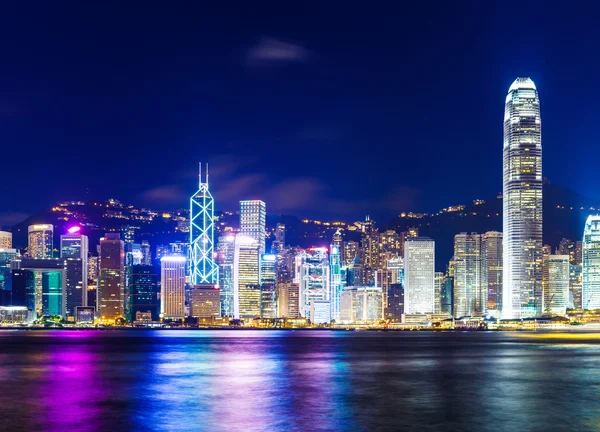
{"x": 321, "y": 109}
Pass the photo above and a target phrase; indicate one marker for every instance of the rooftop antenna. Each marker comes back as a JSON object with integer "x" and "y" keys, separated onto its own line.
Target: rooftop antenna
{"x": 207, "y": 174}
{"x": 199, "y": 173}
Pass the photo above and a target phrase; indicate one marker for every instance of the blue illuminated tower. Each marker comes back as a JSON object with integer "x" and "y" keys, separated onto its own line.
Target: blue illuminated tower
{"x": 204, "y": 269}
{"x": 336, "y": 285}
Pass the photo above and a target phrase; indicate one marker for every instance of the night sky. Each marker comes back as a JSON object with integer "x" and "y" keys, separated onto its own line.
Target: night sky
{"x": 320, "y": 109}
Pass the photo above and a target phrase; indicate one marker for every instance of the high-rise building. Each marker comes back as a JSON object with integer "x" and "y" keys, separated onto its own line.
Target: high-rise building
{"x": 268, "y": 282}
{"x": 405, "y": 235}
{"x": 144, "y": 291}
{"x": 491, "y": 271}
{"x": 355, "y": 274}
{"x": 253, "y": 219}
{"x": 371, "y": 247}
{"x": 225, "y": 258}
{"x": 522, "y": 202}
{"x": 556, "y": 283}
{"x": 440, "y": 280}
{"x": 74, "y": 250}
{"x": 172, "y": 286}
{"x": 468, "y": 298}
{"x": 41, "y": 241}
{"x": 395, "y": 303}
{"x": 448, "y": 289}
{"x": 279, "y": 242}
{"x": 335, "y": 285}
{"x": 575, "y": 282}
{"x": 288, "y": 296}
{"x": 204, "y": 269}
{"x": 361, "y": 304}
{"x": 7, "y": 256}
{"x": 5, "y": 240}
{"x": 111, "y": 283}
{"x": 351, "y": 251}
{"x": 246, "y": 277}
{"x": 45, "y": 286}
{"x": 320, "y": 312}
{"x": 591, "y": 264}
{"x": 419, "y": 268}
{"x": 146, "y": 253}
{"x": 312, "y": 274}
{"x": 205, "y": 302}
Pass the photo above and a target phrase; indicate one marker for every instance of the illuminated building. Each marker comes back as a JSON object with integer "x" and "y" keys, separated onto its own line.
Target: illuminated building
{"x": 172, "y": 287}
{"x": 133, "y": 254}
{"x": 268, "y": 298}
{"x": 491, "y": 271}
{"x": 225, "y": 258}
{"x": 23, "y": 289}
{"x": 522, "y": 202}
{"x": 205, "y": 301}
{"x": 348, "y": 304}
{"x": 85, "y": 314}
{"x": 351, "y": 251}
{"x": 204, "y": 269}
{"x": 591, "y": 264}
{"x": 93, "y": 269}
{"x": 74, "y": 250}
{"x": 468, "y": 298}
{"x": 371, "y": 249}
{"x": 440, "y": 280}
{"x": 111, "y": 281}
{"x": 395, "y": 303}
{"x": 5, "y": 240}
{"x": 128, "y": 233}
{"x": 405, "y": 235}
{"x": 253, "y": 219}
{"x": 162, "y": 250}
{"x": 312, "y": 274}
{"x": 355, "y": 273}
{"x": 556, "y": 283}
{"x": 246, "y": 277}
{"x": 419, "y": 281}
{"x": 575, "y": 282}
{"x": 320, "y": 311}
{"x": 396, "y": 266}
{"x": 44, "y": 286}
{"x": 144, "y": 290}
{"x": 288, "y": 297}
{"x": 335, "y": 284}
{"x": 338, "y": 241}
{"x": 279, "y": 243}
{"x": 361, "y": 304}
{"x": 7, "y": 256}
{"x": 146, "y": 253}
{"x": 41, "y": 243}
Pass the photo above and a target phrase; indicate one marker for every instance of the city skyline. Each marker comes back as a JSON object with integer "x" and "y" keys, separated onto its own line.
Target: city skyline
{"x": 284, "y": 97}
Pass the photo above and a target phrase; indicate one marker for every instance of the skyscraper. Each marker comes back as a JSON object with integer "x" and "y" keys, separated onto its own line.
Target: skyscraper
{"x": 246, "y": 278}
{"x": 111, "y": 284}
{"x": 419, "y": 265}
{"x": 556, "y": 283}
{"x": 591, "y": 264}
{"x": 268, "y": 281}
{"x": 468, "y": 298}
{"x": 41, "y": 242}
{"x": 5, "y": 240}
{"x": 491, "y": 271}
{"x": 522, "y": 202}
{"x": 146, "y": 253}
{"x": 335, "y": 284}
{"x": 204, "y": 269}
{"x": 225, "y": 257}
{"x": 172, "y": 286}
{"x": 312, "y": 274}
{"x": 279, "y": 242}
{"x": 144, "y": 291}
{"x": 253, "y": 220}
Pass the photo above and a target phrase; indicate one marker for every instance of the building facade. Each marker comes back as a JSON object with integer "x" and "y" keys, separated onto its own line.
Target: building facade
{"x": 111, "y": 280}
{"x": 556, "y": 283}
{"x": 491, "y": 271}
{"x": 40, "y": 243}
{"x": 468, "y": 293}
{"x": 172, "y": 287}
{"x": 253, "y": 220}
{"x": 419, "y": 269}
{"x": 590, "y": 290}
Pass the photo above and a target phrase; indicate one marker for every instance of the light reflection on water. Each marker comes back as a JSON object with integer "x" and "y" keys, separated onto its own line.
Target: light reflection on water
{"x": 304, "y": 381}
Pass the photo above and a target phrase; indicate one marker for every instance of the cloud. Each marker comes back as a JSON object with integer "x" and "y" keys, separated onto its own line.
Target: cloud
{"x": 9, "y": 219}
{"x": 269, "y": 50}
{"x": 165, "y": 195}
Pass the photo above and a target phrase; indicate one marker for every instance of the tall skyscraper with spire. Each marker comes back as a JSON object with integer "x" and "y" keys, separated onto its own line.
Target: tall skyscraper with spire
{"x": 522, "y": 202}
{"x": 204, "y": 269}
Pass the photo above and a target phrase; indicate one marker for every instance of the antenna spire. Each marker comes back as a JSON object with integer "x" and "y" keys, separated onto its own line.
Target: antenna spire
{"x": 206, "y": 173}
{"x": 199, "y": 173}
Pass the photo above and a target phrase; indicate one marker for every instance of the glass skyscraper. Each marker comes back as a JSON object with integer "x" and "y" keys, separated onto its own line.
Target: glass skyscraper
{"x": 522, "y": 202}
{"x": 253, "y": 219}
{"x": 419, "y": 265}
{"x": 591, "y": 264}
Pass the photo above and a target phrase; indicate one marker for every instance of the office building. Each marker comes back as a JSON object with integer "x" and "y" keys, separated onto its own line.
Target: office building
{"x": 395, "y": 303}
{"x": 7, "y": 256}
{"x": 419, "y": 279}
{"x": 172, "y": 287}
{"x": 246, "y": 277}
{"x": 491, "y": 271}
{"x": 335, "y": 284}
{"x": 44, "y": 283}
{"x": 312, "y": 274}
{"x": 355, "y": 272}
{"x": 205, "y": 302}
{"x": 320, "y": 311}
{"x": 591, "y": 264}
{"x": 74, "y": 250}
{"x": 146, "y": 253}
{"x": 40, "y": 241}
{"x": 351, "y": 251}
{"x": 468, "y": 298}
{"x": 522, "y": 202}
{"x": 144, "y": 292}
{"x": 253, "y": 220}
{"x": 204, "y": 269}
{"x": 111, "y": 281}
{"x": 268, "y": 282}
{"x": 361, "y": 304}
{"x": 279, "y": 242}
{"x": 555, "y": 280}
{"x": 440, "y": 280}
{"x": 288, "y": 297}
{"x": 5, "y": 240}
{"x": 575, "y": 285}
{"x": 225, "y": 259}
